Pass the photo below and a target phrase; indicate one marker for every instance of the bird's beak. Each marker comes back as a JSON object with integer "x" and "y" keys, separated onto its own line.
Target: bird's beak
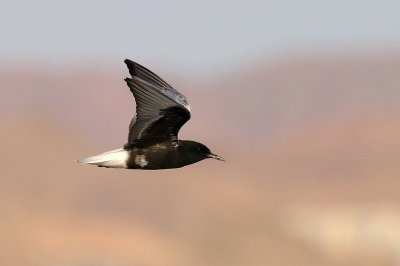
{"x": 214, "y": 156}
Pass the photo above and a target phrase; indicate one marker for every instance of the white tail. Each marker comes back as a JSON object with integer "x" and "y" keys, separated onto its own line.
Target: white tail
{"x": 114, "y": 159}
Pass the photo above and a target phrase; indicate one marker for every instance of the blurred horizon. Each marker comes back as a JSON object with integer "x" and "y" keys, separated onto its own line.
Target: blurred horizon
{"x": 204, "y": 36}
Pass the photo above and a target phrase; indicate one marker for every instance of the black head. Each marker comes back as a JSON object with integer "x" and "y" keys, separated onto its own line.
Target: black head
{"x": 197, "y": 151}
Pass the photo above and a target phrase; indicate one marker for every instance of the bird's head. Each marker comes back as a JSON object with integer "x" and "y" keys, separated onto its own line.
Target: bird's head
{"x": 201, "y": 151}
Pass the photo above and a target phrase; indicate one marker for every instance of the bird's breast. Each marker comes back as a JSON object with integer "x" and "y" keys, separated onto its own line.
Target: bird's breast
{"x": 158, "y": 156}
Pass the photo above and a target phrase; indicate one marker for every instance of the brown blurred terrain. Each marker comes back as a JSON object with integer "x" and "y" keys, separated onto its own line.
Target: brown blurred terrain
{"x": 312, "y": 174}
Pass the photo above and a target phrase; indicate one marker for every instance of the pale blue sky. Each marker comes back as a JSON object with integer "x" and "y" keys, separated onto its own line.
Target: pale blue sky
{"x": 199, "y": 36}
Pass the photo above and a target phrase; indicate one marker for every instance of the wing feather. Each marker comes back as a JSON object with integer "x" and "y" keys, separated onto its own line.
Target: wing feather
{"x": 160, "y": 110}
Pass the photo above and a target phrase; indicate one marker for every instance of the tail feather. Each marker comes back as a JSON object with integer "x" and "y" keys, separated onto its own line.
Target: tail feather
{"x": 115, "y": 159}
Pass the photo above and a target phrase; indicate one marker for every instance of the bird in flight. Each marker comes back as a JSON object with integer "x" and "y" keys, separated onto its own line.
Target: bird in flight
{"x": 153, "y": 132}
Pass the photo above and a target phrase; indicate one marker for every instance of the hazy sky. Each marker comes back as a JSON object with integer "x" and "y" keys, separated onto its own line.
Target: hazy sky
{"x": 197, "y": 35}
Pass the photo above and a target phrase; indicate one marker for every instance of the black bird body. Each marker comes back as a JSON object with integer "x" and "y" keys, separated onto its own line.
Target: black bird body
{"x": 164, "y": 155}
{"x": 153, "y": 132}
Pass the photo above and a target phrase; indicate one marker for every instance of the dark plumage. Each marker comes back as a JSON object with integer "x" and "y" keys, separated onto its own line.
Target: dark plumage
{"x": 153, "y": 141}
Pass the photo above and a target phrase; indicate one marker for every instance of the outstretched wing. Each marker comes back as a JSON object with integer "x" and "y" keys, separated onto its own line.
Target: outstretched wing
{"x": 160, "y": 109}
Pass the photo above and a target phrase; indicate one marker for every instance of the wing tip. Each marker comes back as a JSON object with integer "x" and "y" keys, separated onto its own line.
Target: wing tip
{"x": 132, "y": 67}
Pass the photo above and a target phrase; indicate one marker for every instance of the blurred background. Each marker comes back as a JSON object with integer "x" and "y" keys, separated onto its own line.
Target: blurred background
{"x": 302, "y": 98}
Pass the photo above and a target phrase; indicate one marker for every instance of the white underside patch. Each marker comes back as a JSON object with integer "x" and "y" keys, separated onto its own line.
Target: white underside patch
{"x": 114, "y": 159}
{"x": 141, "y": 160}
